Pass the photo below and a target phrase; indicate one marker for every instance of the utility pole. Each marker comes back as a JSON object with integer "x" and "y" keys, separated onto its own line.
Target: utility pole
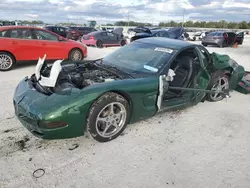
{"x": 183, "y": 16}
{"x": 128, "y": 19}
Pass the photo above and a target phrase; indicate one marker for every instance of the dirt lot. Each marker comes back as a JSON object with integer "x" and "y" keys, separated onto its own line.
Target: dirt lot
{"x": 203, "y": 146}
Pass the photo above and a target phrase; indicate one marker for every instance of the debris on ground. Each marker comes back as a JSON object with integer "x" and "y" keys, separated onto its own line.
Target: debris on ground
{"x": 38, "y": 173}
{"x": 74, "y": 146}
{"x": 22, "y": 143}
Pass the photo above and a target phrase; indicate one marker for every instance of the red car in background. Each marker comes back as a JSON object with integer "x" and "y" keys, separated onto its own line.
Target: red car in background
{"x": 23, "y": 43}
{"x": 75, "y": 33}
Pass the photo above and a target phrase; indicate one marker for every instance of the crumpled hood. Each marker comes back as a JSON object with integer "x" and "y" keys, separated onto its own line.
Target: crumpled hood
{"x": 178, "y": 31}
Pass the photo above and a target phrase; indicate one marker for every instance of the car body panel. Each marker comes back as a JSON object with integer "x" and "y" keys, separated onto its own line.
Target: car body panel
{"x": 244, "y": 85}
{"x": 173, "y": 33}
{"x": 143, "y": 94}
{"x": 21, "y": 48}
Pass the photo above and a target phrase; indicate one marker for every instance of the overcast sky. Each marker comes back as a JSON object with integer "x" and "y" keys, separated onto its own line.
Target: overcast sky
{"x": 105, "y": 11}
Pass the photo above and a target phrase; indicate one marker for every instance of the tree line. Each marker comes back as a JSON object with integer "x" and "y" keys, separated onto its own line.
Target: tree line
{"x": 201, "y": 24}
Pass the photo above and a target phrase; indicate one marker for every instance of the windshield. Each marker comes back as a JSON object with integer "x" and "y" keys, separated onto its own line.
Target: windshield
{"x": 215, "y": 34}
{"x": 139, "y": 58}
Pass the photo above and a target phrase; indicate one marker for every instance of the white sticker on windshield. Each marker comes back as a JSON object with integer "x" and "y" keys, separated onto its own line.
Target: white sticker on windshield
{"x": 152, "y": 69}
{"x": 166, "y": 50}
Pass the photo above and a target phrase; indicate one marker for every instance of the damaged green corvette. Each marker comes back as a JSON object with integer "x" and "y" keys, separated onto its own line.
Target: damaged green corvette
{"x": 132, "y": 83}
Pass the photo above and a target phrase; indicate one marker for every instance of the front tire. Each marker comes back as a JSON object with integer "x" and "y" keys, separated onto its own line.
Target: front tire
{"x": 219, "y": 81}
{"x": 108, "y": 117}
{"x": 203, "y": 44}
{"x": 7, "y": 61}
{"x": 75, "y": 55}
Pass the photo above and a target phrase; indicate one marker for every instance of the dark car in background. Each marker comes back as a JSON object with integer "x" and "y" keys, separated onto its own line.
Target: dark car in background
{"x": 75, "y": 33}
{"x": 223, "y": 39}
{"x": 173, "y": 33}
{"x": 62, "y": 31}
{"x": 104, "y": 38}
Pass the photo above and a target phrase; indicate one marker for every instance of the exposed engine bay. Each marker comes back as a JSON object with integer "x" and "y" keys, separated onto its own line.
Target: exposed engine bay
{"x": 49, "y": 79}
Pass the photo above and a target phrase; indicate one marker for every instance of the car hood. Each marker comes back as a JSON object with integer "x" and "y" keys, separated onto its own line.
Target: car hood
{"x": 178, "y": 31}
{"x": 118, "y": 31}
{"x": 143, "y": 34}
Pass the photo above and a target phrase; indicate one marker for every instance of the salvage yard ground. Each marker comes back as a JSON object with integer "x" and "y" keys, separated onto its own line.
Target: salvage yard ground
{"x": 203, "y": 146}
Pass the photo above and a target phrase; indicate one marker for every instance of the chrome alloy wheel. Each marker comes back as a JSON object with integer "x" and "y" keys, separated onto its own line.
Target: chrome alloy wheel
{"x": 111, "y": 119}
{"x": 222, "y": 84}
{"x": 5, "y": 62}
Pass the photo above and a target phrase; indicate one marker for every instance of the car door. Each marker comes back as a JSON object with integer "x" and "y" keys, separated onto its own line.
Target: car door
{"x": 49, "y": 44}
{"x": 112, "y": 38}
{"x": 203, "y": 76}
{"x": 22, "y": 44}
{"x": 104, "y": 37}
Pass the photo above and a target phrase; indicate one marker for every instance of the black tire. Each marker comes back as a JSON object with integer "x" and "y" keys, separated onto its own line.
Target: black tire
{"x": 7, "y": 61}
{"x": 76, "y": 55}
{"x": 99, "y": 44}
{"x": 203, "y": 44}
{"x": 123, "y": 43}
{"x": 214, "y": 81}
{"x": 99, "y": 105}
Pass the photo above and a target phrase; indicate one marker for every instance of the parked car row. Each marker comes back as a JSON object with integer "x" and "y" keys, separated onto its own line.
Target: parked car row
{"x": 73, "y": 33}
{"x": 23, "y": 43}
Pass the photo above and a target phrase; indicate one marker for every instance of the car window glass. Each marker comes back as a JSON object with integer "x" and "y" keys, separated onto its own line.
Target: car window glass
{"x": 204, "y": 55}
{"x": 62, "y": 29}
{"x": 43, "y": 35}
{"x": 103, "y": 34}
{"x": 3, "y": 33}
{"x": 159, "y": 34}
{"x": 165, "y": 34}
{"x": 110, "y": 34}
{"x": 21, "y": 33}
{"x": 171, "y": 35}
{"x": 139, "y": 57}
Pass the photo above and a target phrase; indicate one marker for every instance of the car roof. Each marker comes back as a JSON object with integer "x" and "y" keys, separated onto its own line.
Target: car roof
{"x": 166, "y": 42}
{"x": 156, "y": 30}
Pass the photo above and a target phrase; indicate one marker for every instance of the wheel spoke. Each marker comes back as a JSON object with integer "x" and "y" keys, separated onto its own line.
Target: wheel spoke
{"x": 111, "y": 112}
{"x": 103, "y": 119}
{"x": 105, "y": 130}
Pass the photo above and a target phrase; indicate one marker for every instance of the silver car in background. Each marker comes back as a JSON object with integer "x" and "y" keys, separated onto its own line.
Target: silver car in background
{"x": 223, "y": 39}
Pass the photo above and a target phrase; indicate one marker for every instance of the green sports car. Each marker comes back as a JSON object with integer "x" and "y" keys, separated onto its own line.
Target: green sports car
{"x": 132, "y": 83}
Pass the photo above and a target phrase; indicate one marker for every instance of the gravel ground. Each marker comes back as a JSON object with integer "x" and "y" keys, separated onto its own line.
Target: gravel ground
{"x": 203, "y": 146}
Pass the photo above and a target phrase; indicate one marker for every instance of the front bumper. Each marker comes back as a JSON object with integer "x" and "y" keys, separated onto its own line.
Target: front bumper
{"x": 32, "y": 108}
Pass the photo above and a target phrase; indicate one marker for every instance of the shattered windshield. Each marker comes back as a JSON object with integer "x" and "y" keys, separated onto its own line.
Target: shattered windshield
{"x": 139, "y": 58}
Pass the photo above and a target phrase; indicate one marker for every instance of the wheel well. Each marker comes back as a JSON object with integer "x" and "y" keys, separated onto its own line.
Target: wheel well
{"x": 10, "y": 54}
{"x": 123, "y": 94}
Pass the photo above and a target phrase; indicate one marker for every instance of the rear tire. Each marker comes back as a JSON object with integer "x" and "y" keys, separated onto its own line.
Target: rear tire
{"x": 7, "y": 61}
{"x": 204, "y": 44}
{"x": 76, "y": 55}
{"x": 123, "y": 43}
{"x": 108, "y": 117}
{"x": 99, "y": 44}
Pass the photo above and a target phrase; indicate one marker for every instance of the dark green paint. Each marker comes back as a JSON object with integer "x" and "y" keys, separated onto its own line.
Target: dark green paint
{"x": 73, "y": 107}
